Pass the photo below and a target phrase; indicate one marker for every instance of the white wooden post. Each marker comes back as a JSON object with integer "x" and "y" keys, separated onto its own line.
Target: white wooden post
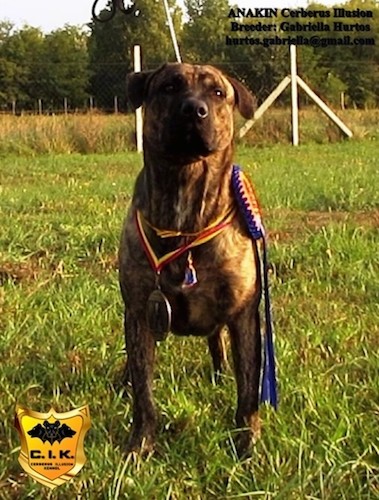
{"x": 265, "y": 105}
{"x": 65, "y": 105}
{"x": 324, "y": 108}
{"x": 172, "y": 31}
{"x": 294, "y": 97}
{"x": 295, "y": 80}
{"x": 139, "y": 125}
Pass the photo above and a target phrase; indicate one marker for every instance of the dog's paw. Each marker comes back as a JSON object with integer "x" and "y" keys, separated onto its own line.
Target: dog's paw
{"x": 247, "y": 437}
{"x": 243, "y": 443}
{"x": 140, "y": 444}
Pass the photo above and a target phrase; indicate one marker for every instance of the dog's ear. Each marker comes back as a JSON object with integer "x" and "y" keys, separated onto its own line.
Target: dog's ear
{"x": 136, "y": 87}
{"x": 245, "y": 101}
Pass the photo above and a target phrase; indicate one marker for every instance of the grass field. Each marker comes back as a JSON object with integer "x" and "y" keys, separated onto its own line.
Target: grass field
{"x": 62, "y": 343}
{"x": 97, "y": 133}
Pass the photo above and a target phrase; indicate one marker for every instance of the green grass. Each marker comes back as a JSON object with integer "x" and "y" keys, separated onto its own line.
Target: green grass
{"x": 62, "y": 343}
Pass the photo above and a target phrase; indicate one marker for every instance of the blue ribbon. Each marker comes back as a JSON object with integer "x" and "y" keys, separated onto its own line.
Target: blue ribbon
{"x": 256, "y": 231}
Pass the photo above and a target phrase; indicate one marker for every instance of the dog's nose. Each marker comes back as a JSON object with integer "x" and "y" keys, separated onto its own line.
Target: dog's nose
{"x": 193, "y": 107}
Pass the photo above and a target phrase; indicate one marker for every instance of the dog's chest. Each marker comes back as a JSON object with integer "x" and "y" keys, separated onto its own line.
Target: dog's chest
{"x": 183, "y": 210}
{"x": 225, "y": 281}
{"x": 189, "y": 204}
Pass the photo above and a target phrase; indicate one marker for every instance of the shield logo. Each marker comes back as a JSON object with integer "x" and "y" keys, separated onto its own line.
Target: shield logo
{"x": 52, "y": 449}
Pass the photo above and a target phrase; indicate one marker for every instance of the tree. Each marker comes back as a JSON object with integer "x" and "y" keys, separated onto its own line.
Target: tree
{"x": 7, "y": 68}
{"x": 204, "y": 33}
{"x": 69, "y": 63}
{"x": 111, "y": 47}
{"x": 21, "y": 54}
{"x": 49, "y": 67}
{"x": 6, "y": 28}
{"x": 353, "y": 67}
{"x": 66, "y": 67}
{"x": 204, "y": 40}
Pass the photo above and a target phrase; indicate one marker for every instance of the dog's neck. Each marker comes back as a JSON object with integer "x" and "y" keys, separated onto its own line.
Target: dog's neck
{"x": 187, "y": 197}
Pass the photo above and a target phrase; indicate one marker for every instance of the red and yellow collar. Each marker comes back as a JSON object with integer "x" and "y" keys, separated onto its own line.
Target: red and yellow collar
{"x": 196, "y": 238}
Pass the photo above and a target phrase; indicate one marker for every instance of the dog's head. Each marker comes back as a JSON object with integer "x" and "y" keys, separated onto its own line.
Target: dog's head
{"x": 188, "y": 109}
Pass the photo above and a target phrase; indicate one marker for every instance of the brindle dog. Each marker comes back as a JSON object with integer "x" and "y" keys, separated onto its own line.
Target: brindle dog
{"x": 185, "y": 185}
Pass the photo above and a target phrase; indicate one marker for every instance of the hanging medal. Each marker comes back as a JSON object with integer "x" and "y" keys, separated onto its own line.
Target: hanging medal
{"x": 158, "y": 313}
{"x": 158, "y": 307}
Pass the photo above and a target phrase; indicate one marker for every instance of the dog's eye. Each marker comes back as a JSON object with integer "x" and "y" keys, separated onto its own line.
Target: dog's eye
{"x": 219, "y": 92}
{"x": 174, "y": 85}
{"x": 169, "y": 88}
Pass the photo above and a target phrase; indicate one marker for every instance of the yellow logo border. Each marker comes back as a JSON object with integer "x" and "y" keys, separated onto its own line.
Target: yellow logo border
{"x": 80, "y": 458}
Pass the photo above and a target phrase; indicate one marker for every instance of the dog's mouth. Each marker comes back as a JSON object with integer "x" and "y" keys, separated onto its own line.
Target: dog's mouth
{"x": 191, "y": 140}
{"x": 198, "y": 141}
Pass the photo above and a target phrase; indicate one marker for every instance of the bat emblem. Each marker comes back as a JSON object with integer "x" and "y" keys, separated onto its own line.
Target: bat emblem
{"x": 51, "y": 432}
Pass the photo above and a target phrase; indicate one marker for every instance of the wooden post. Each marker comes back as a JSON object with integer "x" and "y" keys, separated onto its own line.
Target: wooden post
{"x": 324, "y": 108}
{"x": 13, "y": 107}
{"x": 40, "y": 106}
{"x": 65, "y": 105}
{"x": 91, "y": 103}
{"x": 294, "y": 97}
{"x": 139, "y": 124}
{"x": 115, "y": 106}
{"x": 172, "y": 31}
{"x": 265, "y": 105}
{"x": 295, "y": 80}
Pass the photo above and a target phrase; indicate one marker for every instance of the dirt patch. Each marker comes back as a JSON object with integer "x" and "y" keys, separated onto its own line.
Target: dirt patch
{"x": 42, "y": 270}
{"x": 298, "y": 221}
{"x": 100, "y": 265}
{"x": 15, "y": 272}
{"x": 363, "y": 219}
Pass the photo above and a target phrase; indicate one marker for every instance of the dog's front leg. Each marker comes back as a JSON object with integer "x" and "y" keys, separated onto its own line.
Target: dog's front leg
{"x": 216, "y": 345}
{"x": 140, "y": 347}
{"x": 246, "y": 348}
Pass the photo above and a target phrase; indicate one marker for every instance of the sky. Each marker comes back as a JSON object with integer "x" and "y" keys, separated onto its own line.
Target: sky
{"x": 47, "y": 14}
{"x": 52, "y": 14}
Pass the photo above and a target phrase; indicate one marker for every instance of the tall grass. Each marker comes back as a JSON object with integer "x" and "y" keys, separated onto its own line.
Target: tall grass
{"x": 96, "y": 133}
{"x": 89, "y": 133}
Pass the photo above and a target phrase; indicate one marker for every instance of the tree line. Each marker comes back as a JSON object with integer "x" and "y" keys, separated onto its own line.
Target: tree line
{"x": 79, "y": 65}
